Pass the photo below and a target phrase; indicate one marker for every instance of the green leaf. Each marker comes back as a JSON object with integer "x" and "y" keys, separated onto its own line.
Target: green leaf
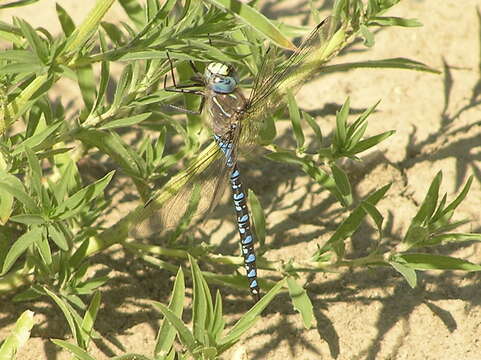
{"x": 288, "y": 157}
{"x": 6, "y": 205}
{"x": 19, "y": 68}
{"x": 74, "y": 203}
{"x": 18, "y": 337}
{"x": 342, "y": 181}
{"x": 295, "y": 117}
{"x": 408, "y": 273}
{"x": 341, "y": 128}
{"x": 218, "y": 322}
{"x": 453, "y": 237}
{"x": 419, "y": 261}
{"x": 35, "y": 42}
{"x": 254, "y": 19}
{"x": 416, "y": 236}
{"x": 459, "y": 199}
{"x": 57, "y": 237}
{"x": 394, "y": 63}
{"x": 122, "y": 86}
{"x": 352, "y": 222}
{"x": 430, "y": 201}
{"x": 90, "y": 316}
{"x": 393, "y": 21}
{"x": 29, "y": 294}
{"x": 67, "y": 312}
{"x": 370, "y": 142}
{"x": 17, "y": 3}
{"x": 367, "y": 35}
{"x": 68, "y": 26}
{"x": 44, "y": 249}
{"x": 257, "y": 217}
{"x": 113, "y": 32}
{"x": 86, "y": 81}
{"x": 104, "y": 75}
{"x": 74, "y": 349}
{"x": 23, "y": 101}
{"x": 36, "y": 140}
{"x": 314, "y": 126}
{"x": 166, "y": 335}
{"x": 19, "y": 56}
{"x": 202, "y": 304}
{"x": 88, "y": 27}
{"x": 13, "y": 186}
{"x": 90, "y": 285}
{"x": 35, "y": 171}
{"x": 111, "y": 144}
{"x": 68, "y": 172}
{"x": 362, "y": 118}
{"x": 185, "y": 336}
{"x": 249, "y": 318}
{"x": 127, "y": 121}
{"x": 375, "y": 216}
{"x": 28, "y": 219}
{"x": 301, "y": 302}
{"x": 20, "y": 246}
{"x": 134, "y": 11}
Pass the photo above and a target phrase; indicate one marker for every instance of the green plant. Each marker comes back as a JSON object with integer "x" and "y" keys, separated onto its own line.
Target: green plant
{"x": 52, "y": 223}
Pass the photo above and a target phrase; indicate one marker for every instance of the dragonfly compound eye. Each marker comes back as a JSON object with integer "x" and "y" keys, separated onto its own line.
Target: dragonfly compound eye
{"x": 224, "y": 84}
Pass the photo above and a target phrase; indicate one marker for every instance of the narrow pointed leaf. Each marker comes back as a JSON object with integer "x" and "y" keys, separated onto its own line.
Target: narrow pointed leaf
{"x": 200, "y": 308}
{"x": 186, "y": 337}
{"x": 68, "y": 26}
{"x": 74, "y": 349}
{"x": 258, "y": 217}
{"x": 295, "y": 117}
{"x": 167, "y": 332}
{"x": 18, "y": 337}
{"x": 395, "y": 63}
{"x": 314, "y": 126}
{"x": 394, "y": 21}
{"x": 421, "y": 261}
{"x": 19, "y": 247}
{"x": 250, "y": 317}
{"x": 256, "y": 20}
{"x": 368, "y": 143}
{"x": 37, "y": 139}
{"x": 301, "y": 302}
{"x": 66, "y": 312}
{"x": 408, "y": 273}
{"x": 125, "y": 122}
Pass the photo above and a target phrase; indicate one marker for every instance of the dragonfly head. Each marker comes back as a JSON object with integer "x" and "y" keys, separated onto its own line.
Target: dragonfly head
{"x": 221, "y": 78}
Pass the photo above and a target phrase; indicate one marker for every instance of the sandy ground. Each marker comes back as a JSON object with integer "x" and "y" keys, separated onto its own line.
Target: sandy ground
{"x": 360, "y": 314}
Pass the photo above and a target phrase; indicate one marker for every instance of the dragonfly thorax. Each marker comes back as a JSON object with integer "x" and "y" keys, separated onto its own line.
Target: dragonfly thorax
{"x": 220, "y": 78}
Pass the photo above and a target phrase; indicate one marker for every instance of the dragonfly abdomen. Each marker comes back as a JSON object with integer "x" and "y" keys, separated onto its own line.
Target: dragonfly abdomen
{"x": 245, "y": 232}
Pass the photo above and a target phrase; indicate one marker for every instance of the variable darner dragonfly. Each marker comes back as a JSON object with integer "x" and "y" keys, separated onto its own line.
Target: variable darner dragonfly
{"x": 236, "y": 121}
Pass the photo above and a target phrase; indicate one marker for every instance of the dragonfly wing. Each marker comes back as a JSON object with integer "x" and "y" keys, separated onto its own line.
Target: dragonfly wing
{"x": 168, "y": 206}
{"x": 207, "y": 174}
{"x": 276, "y": 80}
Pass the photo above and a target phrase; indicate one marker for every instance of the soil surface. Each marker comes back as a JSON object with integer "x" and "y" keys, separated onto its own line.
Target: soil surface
{"x": 360, "y": 313}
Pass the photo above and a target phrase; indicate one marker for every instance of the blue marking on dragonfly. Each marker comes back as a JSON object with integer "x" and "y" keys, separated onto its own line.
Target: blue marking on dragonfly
{"x": 236, "y": 120}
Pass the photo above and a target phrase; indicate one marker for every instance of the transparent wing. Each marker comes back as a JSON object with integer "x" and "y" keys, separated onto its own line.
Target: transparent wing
{"x": 166, "y": 208}
{"x": 275, "y": 80}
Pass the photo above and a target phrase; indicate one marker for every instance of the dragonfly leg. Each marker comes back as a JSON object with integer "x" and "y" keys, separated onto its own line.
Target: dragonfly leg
{"x": 196, "y": 71}
{"x": 180, "y": 88}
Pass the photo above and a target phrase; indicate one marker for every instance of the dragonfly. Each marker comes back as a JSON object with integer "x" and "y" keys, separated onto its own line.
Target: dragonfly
{"x": 236, "y": 122}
